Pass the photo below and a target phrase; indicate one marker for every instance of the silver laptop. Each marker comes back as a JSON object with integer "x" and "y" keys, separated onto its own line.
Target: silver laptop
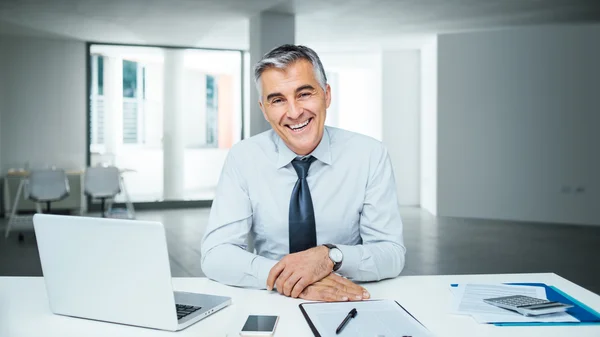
{"x": 117, "y": 271}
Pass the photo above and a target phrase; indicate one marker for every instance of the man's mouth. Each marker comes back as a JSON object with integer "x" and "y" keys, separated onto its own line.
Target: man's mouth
{"x": 300, "y": 126}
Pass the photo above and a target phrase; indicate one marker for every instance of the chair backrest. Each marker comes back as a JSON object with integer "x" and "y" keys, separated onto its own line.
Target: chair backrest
{"x": 102, "y": 182}
{"x": 48, "y": 185}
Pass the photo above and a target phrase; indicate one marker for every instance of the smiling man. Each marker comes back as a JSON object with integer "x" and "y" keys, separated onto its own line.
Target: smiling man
{"x": 319, "y": 202}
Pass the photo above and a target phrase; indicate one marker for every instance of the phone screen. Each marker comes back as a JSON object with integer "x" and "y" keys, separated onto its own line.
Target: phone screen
{"x": 260, "y": 323}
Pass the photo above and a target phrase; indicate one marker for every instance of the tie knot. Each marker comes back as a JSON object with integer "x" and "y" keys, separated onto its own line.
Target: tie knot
{"x": 302, "y": 165}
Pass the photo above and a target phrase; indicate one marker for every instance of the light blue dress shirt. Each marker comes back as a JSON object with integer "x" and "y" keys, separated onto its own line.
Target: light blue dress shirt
{"x": 354, "y": 198}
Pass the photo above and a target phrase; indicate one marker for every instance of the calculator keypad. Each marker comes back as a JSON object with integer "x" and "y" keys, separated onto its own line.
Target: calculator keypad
{"x": 519, "y": 301}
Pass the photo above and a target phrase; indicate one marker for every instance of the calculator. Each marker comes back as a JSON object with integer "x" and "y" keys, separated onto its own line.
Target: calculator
{"x": 528, "y": 306}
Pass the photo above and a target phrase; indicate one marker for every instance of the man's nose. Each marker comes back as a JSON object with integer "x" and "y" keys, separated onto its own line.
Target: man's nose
{"x": 294, "y": 110}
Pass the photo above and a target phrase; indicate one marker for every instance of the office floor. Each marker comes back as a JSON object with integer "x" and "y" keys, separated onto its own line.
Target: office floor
{"x": 435, "y": 246}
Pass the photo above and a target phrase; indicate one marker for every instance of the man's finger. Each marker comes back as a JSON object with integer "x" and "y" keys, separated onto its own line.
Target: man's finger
{"x": 281, "y": 279}
{"x": 320, "y": 292}
{"x": 299, "y": 287}
{"x": 274, "y": 273}
{"x": 351, "y": 287}
{"x": 310, "y": 293}
{"x": 329, "y": 296}
{"x": 337, "y": 294}
{"x": 355, "y": 291}
{"x": 290, "y": 284}
{"x": 331, "y": 282}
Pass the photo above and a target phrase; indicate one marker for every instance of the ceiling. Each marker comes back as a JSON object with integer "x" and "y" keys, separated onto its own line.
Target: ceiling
{"x": 224, "y": 23}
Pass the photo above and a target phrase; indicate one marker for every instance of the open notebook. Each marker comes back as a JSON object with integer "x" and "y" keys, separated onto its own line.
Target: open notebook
{"x": 376, "y": 318}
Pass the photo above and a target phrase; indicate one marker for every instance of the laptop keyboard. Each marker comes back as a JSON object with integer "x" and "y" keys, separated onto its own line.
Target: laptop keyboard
{"x": 184, "y": 310}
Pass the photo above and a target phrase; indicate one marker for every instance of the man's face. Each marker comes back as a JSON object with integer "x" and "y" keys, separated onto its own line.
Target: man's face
{"x": 295, "y": 105}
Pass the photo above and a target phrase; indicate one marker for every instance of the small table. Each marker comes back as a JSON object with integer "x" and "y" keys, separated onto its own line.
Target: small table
{"x": 11, "y": 205}
{"x": 14, "y": 181}
{"x": 24, "y": 309}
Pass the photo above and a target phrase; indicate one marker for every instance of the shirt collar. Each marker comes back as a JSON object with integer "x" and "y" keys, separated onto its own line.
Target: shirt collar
{"x": 322, "y": 152}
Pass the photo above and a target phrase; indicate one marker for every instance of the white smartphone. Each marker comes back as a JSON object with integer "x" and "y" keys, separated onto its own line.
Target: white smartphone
{"x": 259, "y": 325}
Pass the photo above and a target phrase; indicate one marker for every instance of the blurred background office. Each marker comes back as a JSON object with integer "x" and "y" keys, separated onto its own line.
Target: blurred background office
{"x": 490, "y": 111}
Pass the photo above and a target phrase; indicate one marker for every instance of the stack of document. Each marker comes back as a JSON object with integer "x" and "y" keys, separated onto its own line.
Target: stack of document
{"x": 468, "y": 300}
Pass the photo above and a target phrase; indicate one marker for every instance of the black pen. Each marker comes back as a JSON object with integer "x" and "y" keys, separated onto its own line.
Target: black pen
{"x": 350, "y": 315}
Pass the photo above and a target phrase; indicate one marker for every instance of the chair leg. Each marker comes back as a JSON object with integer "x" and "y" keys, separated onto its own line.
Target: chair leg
{"x": 13, "y": 212}
{"x": 128, "y": 203}
{"x": 48, "y": 207}
{"x": 102, "y": 202}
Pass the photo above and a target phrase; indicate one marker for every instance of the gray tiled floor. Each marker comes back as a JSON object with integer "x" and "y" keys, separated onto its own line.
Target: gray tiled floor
{"x": 435, "y": 245}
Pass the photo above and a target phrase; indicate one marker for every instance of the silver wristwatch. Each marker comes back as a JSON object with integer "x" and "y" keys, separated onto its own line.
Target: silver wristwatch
{"x": 336, "y": 255}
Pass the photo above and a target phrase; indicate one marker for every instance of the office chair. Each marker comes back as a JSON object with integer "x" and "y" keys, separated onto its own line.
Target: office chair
{"x": 40, "y": 186}
{"x": 48, "y": 186}
{"x": 102, "y": 182}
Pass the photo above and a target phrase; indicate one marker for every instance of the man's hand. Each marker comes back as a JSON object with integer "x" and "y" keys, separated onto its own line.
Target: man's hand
{"x": 295, "y": 272}
{"x": 334, "y": 288}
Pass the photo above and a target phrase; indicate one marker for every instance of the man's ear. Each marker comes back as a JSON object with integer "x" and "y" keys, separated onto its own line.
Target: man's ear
{"x": 327, "y": 96}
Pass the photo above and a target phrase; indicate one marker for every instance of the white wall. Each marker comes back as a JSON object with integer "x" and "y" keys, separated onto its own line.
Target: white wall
{"x": 356, "y": 103}
{"x": 401, "y": 97}
{"x": 44, "y": 111}
{"x": 429, "y": 126}
{"x": 195, "y": 108}
{"x": 518, "y": 124}
{"x": 378, "y": 94}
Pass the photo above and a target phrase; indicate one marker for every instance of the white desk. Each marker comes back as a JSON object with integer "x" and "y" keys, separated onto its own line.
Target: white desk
{"x": 24, "y": 309}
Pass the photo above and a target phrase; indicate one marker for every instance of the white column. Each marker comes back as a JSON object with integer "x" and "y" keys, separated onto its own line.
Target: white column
{"x": 401, "y": 99}
{"x": 267, "y": 31}
{"x": 113, "y": 105}
{"x": 429, "y": 129}
{"x": 173, "y": 125}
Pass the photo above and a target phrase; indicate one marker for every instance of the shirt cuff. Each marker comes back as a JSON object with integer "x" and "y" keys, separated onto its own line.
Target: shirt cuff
{"x": 261, "y": 266}
{"x": 351, "y": 261}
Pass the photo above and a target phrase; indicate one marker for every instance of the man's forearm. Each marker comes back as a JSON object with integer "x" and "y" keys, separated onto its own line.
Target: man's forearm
{"x": 372, "y": 262}
{"x": 232, "y": 265}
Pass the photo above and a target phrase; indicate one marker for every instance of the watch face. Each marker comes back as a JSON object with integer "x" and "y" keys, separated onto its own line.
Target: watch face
{"x": 336, "y": 255}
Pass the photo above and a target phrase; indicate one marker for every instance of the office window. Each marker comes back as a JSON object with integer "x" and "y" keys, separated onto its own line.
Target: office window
{"x": 130, "y": 122}
{"x": 144, "y": 82}
{"x": 212, "y": 108}
{"x": 129, "y": 78}
{"x": 100, "y": 75}
{"x": 100, "y": 121}
{"x": 209, "y": 103}
{"x": 97, "y": 100}
{"x": 133, "y": 104}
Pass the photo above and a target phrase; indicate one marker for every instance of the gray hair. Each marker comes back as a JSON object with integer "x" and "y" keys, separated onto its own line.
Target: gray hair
{"x": 281, "y": 57}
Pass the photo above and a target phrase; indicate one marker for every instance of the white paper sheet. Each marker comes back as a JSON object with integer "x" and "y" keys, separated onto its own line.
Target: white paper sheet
{"x": 378, "y": 318}
{"x": 468, "y": 300}
{"x": 517, "y": 318}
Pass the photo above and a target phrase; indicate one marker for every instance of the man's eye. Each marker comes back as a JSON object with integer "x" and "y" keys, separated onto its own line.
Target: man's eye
{"x": 276, "y": 101}
{"x": 305, "y": 94}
